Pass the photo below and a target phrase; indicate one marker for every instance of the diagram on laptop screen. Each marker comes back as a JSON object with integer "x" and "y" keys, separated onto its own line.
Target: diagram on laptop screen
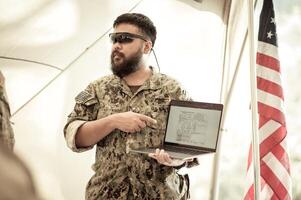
{"x": 193, "y": 126}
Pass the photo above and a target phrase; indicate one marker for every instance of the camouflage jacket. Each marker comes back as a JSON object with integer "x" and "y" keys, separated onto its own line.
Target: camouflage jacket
{"x": 6, "y": 131}
{"x": 120, "y": 174}
{"x": 15, "y": 178}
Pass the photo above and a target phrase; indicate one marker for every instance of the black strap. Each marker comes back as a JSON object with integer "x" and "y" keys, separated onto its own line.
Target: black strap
{"x": 188, "y": 186}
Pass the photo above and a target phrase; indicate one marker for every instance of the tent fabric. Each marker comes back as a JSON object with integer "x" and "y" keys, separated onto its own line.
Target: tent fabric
{"x": 50, "y": 51}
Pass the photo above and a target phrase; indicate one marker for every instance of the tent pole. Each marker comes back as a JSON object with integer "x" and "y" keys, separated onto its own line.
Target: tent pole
{"x": 253, "y": 84}
{"x": 225, "y": 98}
{"x": 214, "y": 183}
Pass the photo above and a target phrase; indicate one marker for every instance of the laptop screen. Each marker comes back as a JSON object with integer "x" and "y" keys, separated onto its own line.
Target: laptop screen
{"x": 194, "y": 126}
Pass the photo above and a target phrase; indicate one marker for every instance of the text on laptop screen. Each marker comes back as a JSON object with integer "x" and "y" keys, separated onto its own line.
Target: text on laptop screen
{"x": 193, "y": 126}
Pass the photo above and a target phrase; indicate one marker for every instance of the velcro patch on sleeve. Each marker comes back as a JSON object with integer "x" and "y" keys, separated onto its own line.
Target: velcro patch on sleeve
{"x": 83, "y": 97}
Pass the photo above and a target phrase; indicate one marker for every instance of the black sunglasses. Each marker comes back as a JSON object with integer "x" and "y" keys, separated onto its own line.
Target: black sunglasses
{"x": 124, "y": 37}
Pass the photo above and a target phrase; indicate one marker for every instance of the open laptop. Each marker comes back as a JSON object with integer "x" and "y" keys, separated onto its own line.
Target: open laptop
{"x": 192, "y": 129}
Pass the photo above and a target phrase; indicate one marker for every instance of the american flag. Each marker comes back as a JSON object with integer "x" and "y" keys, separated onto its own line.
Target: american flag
{"x": 274, "y": 161}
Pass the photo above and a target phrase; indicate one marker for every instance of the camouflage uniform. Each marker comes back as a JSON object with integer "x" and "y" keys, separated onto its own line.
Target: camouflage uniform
{"x": 6, "y": 131}
{"x": 120, "y": 174}
{"x": 15, "y": 178}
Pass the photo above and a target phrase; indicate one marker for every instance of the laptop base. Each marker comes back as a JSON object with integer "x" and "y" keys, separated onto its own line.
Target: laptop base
{"x": 174, "y": 152}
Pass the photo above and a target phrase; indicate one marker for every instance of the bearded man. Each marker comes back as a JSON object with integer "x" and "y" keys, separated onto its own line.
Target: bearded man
{"x": 124, "y": 110}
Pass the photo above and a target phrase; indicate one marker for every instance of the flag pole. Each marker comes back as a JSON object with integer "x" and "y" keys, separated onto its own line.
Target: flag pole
{"x": 253, "y": 84}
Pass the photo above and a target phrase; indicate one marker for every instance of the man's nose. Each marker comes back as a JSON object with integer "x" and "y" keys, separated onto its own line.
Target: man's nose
{"x": 116, "y": 45}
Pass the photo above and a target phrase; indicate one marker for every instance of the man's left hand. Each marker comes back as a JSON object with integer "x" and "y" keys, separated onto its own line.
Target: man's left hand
{"x": 163, "y": 158}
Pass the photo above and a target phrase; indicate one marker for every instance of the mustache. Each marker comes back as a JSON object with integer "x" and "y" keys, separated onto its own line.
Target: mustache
{"x": 114, "y": 53}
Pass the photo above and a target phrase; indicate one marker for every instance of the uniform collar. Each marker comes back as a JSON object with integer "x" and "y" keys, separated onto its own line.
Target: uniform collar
{"x": 153, "y": 83}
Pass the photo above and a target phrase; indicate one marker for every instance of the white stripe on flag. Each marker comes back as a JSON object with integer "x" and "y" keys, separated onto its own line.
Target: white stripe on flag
{"x": 267, "y": 49}
{"x": 270, "y": 100}
{"x": 267, "y": 129}
{"x": 266, "y": 192}
{"x": 268, "y": 74}
{"x": 284, "y": 144}
{"x": 249, "y": 179}
{"x": 273, "y": 163}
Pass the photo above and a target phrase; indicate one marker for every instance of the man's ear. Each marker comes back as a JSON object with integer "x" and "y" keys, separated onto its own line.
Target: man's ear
{"x": 148, "y": 47}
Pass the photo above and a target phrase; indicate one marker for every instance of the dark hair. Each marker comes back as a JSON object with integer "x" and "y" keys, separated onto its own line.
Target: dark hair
{"x": 144, "y": 24}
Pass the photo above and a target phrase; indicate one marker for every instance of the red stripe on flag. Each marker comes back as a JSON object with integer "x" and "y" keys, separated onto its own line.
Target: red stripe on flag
{"x": 271, "y": 112}
{"x": 263, "y": 120}
{"x": 249, "y": 157}
{"x": 269, "y": 87}
{"x": 250, "y": 193}
{"x": 273, "y": 181}
{"x": 268, "y": 61}
{"x": 282, "y": 157}
{"x": 274, "y": 197}
{"x": 271, "y": 141}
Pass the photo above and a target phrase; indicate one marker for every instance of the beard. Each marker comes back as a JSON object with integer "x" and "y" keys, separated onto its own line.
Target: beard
{"x": 125, "y": 66}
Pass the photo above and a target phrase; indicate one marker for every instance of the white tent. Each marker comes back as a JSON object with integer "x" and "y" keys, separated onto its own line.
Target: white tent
{"x": 51, "y": 49}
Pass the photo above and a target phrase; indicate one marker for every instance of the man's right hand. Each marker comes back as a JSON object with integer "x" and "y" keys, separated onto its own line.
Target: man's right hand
{"x": 93, "y": 131}
{"x": 131, "y": 122}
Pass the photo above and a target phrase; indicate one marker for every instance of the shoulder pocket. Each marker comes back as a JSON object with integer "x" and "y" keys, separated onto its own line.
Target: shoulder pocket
{"x": 86, "y": 106}
{"x": 85, "y": 98}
